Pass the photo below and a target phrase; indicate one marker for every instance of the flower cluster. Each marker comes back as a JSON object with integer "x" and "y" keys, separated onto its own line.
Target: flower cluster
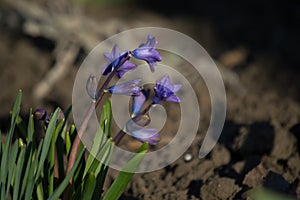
{"x": 118, "y": 64}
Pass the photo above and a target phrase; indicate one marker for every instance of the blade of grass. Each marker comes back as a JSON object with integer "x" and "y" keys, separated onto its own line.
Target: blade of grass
{"x": 105, "y": 119}
{"x": 11, "y": 166}
{"x": 26, "y": 168}
{"x": 32, "y": 177}
{"x": 61, "y": 188}
{"x": 95, "y": 149}
{"x": 40, "y": 191}
{"x": 89, "y": 187}
{"x": 51, "y": 157}
{"x": 31, "y": 168}
{"x": 47, "y": 141}
{"x": 68, "y": 143}
{"x": 4, "y": 160}
{"x": 119, "y": 185}
{"x": 100, "y": 158}
{"x": 30, "y": 128}
{"x": 16, "y": 188}
{"x": 102, "y": 174}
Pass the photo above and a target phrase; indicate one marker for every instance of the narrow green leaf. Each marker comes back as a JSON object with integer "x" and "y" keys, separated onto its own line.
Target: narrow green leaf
{"x": 60, "y": 153}
{"x": 119, "y": 185}
{"x": 21, "y": 128}
{"x": 47, "y": 141}
{"x": 11, "y": 166}
{"x": 31, "y": 168}
{"x": 51, "y": 157}
{"x": 61, "y": 188}
{"x": 4, "y": 159}
{"x": 32, "y": 177}
{"x": 105, "y": 119}
{"x": 102, "y": 174}
{"x": 100, "y": 158}
{"x": 40, "y": 191}
{"x": 30, "y": 128}
{"x": 73, "y": 133}
{"x": 89, "y": 187}
{"x": 265, "y": 194}
{"x": 27, "y": 166}
{"x": 68, "y": 143}
{"x": 95, "y": 149}
{"x": 16, "y": 187}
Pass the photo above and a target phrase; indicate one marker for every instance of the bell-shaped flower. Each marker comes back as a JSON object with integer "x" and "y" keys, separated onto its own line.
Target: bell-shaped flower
{"x": 142, "y": 134}
{"x": 147, "y": 52}
{"x": 138, "y": 102}
{"x": 130, "y": 88}
{"x": 41, "y": 114}
{"x": 165, "y": 90}
{"x": 92, "y": 86}
{"x": 114, "y": 59}
{"x": 149, "y": 135}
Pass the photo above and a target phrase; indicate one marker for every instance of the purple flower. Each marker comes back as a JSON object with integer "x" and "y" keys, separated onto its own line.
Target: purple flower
{"x": 91, "y": 86}
{"x": 138, "y": 102}
{"x": 165, "y": 91}
{"x": 148, "y": 52}
{"x": 114, "y": 59}
{"x": 136, "y": 130}
{"x": 129, "y": 88}
{"x": 149, "y": 135}
{"x": 41, "y": 114}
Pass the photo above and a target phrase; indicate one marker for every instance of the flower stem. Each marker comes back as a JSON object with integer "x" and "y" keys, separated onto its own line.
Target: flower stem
{"x": 121, "y": 133}
{"x": 88, "y": 116}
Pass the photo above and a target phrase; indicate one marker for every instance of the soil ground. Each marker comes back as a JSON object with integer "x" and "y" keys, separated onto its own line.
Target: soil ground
{"x": 260, "y": 142}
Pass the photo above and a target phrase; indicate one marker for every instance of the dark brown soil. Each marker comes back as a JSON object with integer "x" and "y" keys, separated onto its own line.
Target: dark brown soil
{"x": 260, "y": 142}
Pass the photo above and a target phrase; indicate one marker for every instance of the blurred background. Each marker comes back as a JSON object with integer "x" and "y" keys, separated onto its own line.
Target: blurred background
{"x": 254, "y": 43}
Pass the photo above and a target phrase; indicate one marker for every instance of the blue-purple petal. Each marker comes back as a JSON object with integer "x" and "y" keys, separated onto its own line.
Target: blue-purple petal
{"x": 114, "y": 59}
{"x": 92, "y": 86}
{"x": 148, "y": 53}
{"x": 137, "y": 103}
{"x": 147, "y": 135}
{"x": 173, "y": 98}
{"x": 129, "y": 88}
{"x": 165, "y": 90}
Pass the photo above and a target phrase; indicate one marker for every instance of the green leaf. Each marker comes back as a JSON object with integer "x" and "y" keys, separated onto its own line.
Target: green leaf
{"x": 61, "y": 188}
{"x": 11, "y": 165}
{"x": 95, "y": 148}
{"x": 68, "y": 143}
{"x": 32, "y": 165}
{"x": 21, "y": 128}
{"x": 27, "y": 166}
{"x": 47, "y": 141}
{"x": 30, "y": 128}
{"x": 105, "y": 119}
{"x": 102, "y": 174}
{"x": 89, "y": 187}
{"x": 32, "y": 177}
{"x": 4, "y": 168}
{"x": 101, "y": 158}
{"x": 4, "y": 159}
{"x": 51, "y": 157}
{"x": 16, "y": 187}
{"x": 119, "y": 185}
{"x": 261, "y": 193}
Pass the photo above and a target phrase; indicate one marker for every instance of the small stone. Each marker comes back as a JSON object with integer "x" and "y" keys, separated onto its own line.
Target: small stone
{"x": 188, "y": 157}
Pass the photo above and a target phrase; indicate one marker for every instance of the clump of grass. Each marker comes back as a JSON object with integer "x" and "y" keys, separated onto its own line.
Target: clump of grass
{"x": 34, "y": 168}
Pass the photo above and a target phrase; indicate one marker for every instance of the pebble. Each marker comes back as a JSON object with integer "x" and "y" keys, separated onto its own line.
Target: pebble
{"x": 188, "y": 157}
